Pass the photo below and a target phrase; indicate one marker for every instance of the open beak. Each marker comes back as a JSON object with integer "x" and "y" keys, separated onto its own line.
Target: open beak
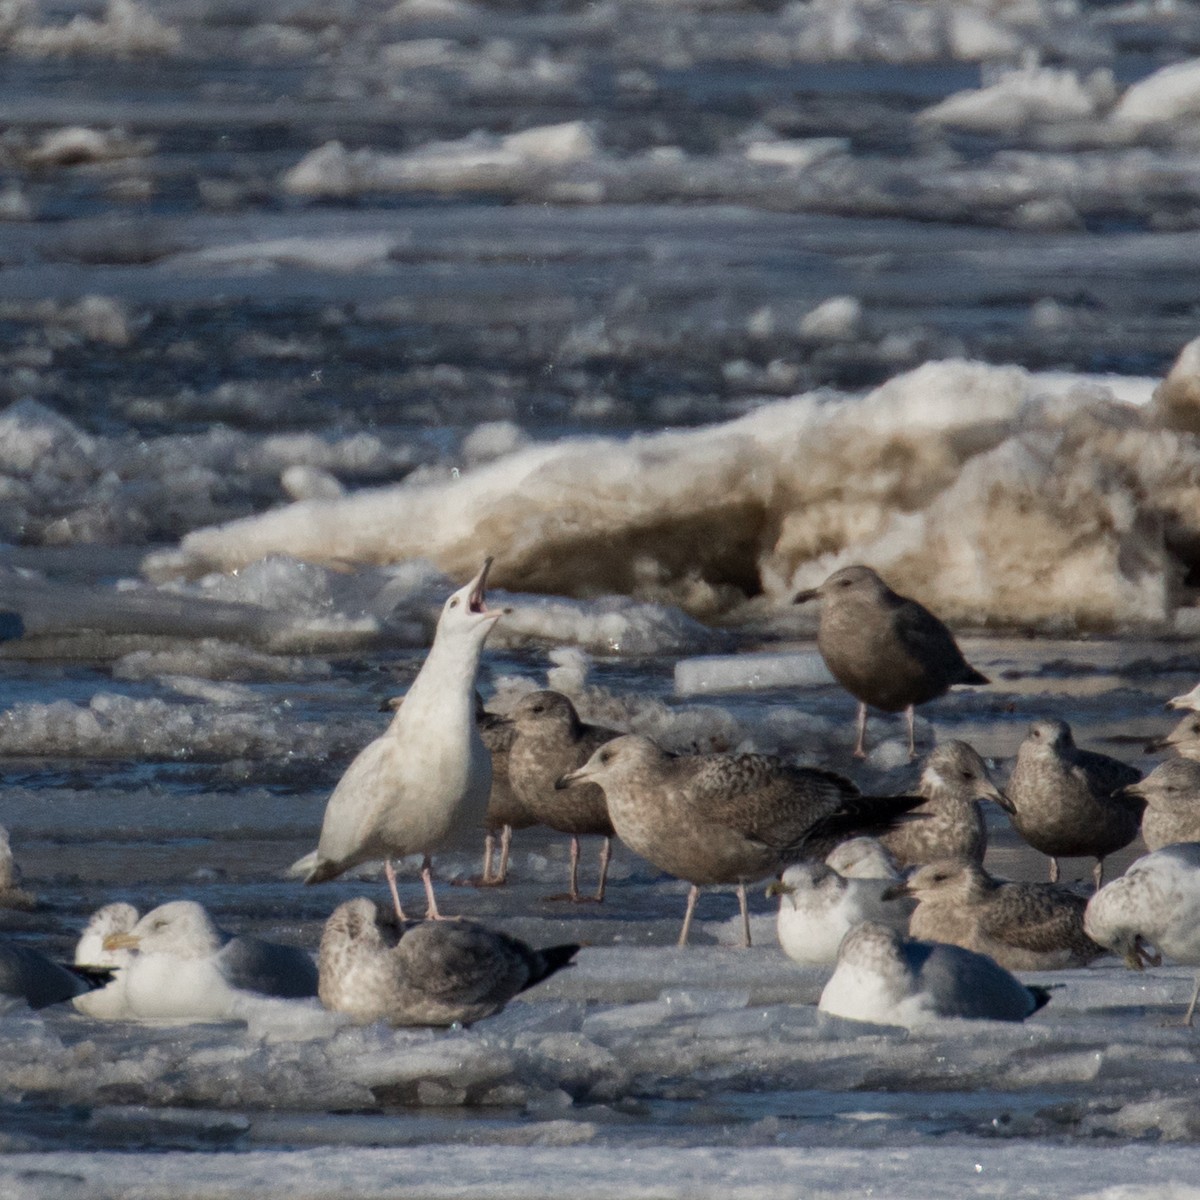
{"x": 121, "y": 941}
{"x": 475, "y": 597}
{"x": 778, "y": 888}
{"x": 1140, "y": 956}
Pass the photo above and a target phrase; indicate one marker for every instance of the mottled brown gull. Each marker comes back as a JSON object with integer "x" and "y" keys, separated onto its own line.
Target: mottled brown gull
{"x": 886, "y": 650}
{"x": 953, "y": 781}
{"x": 726, "y": 818}
{"x": 551, "y": 740}
{"x": 1152, "y": 910}
{"x": 426, "y": 973}
{"x": 818, "y": 907}
{"x": 1066, "y": 802}
{"x": 1184, "y": 739}
{"x": 426, "y": 781}
{"x": 887, "y": 979}
{"x": 1172, "y": 795}
{"x": 1023, "y": 926}
{"x": 187, "y": 968}
{"x": 108, "y": 1002}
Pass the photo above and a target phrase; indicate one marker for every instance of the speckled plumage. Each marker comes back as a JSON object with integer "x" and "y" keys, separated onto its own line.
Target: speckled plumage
{"x": 550, "y": 741}
{"x": 1156, "y": 903}
{"x": 424, "y": 973}
{"x": 887, "y": 979}
{"x": 726, "y": 818}
{"x": 953, "y": 781}
{"x": 887, "y": 650}
{"x": 1023, "y": 926}
{"x": 1172, "y": 795}
{"x": 1062, "y": 800}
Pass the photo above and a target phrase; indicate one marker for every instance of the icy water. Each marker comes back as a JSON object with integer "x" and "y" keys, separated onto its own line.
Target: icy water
{"x": 673, "y": 308}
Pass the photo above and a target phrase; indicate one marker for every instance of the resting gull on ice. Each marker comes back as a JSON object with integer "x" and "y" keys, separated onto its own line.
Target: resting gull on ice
{"x": 818, "y": 907}
{"x": 109, "y": 1001}
{"x": 1172, "y": 795}
{"x": 185, "y": 967}
{"x": 424, "y": 973}
{"x": 551, "y": 740}
{"x": 1023, "y": 926}
{"x": 887, "y": 979}
{"x": 886, "y": 650}
{"x": 953, "y": 781}
{"x": 425, "y": 782}
{"x": 863, "y": 858}
{"x": 726, "y": 818}
{"x": 1156, "y": 903}
{"x": 1067, "y": 802}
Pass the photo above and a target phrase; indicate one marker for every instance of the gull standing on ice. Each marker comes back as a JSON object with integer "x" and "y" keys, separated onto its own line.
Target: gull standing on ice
{"x": 1172, "y": 795}
{"x": 954, "y": 780}
{"x": 887, "y": 979}
{"x": 1068, "y": 802}
{"x": 886, "y": 650}
{"x": 185, "y": 967}
{"x": 1156, "y": 903}
{"x": 818, "y": 907}
{"x": 109, "y": 1001}
{"x": 426, "y": 781}
{"x": 1023, "y": 926}
{"x": 427, "y": 973}
{"x": 726, "y": 818}
{"x": 551, "y": 740}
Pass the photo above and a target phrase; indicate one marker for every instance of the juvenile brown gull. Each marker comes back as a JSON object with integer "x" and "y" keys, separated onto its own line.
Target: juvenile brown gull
{"x": 1184, "y": 739}
{"x": 726, "y": 818}
{"x": 1172, "y": 795}
{"x": 1066, "y": 802}
{"x": 186, "y": 968}
{"x": 1023, "y": 926}
{"x": 108, "y": 1002}
{"x": 1152, "y": 910}
{"x": 550, "y": 741}
{"x": 886, "y": 650}
{"x": 954, "y": 780}
{"x": 425, "y": 782}
{"x": 887, "y": 979}
{"x": 427, "y": 973}
{"x": 818, "y": 907}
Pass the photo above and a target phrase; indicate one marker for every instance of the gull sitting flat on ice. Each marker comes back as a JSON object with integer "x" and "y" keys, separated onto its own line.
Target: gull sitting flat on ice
{"x": 886, "y": 650}
{"x": 1152, "y": 910}
{"x": 426, "y": 781}
{"x": 424, "y": 973}
{"x": 551, "y": 740}
{"x": 1068, "y": 802}
{"x": 28, "y": 976}
{"x": 185, "y": 967}
{"x": 1184, "y": 739}
{"x": 953, "y": 781}
{"x": 107, "y": 1002}
{"x": 887, "y": 979}
{"x": 818, "y": 907}
{"x": 1172, "y": 795}
{"x": 726, "y": 818}
{"x": 1023, "y": 926}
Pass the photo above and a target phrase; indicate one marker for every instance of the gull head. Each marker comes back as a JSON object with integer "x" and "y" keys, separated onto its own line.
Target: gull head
{"x": 619, "y": 761}
{"x": 181, "y": 928}
{"x": 465, "y": 613}
{"x": 850, "y": 583}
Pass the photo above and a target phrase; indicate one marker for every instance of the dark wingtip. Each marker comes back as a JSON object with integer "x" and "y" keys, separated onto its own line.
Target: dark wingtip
{"x": 974, "y": 676}
{"x": 1041, "y": 996}
{"x": 552, "y": 960}
{"x": 94, "y": 977}
{"x": 322, "y": 873}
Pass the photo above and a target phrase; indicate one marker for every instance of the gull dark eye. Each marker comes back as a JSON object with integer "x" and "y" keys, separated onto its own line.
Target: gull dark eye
{"x": 453, "y": 602}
